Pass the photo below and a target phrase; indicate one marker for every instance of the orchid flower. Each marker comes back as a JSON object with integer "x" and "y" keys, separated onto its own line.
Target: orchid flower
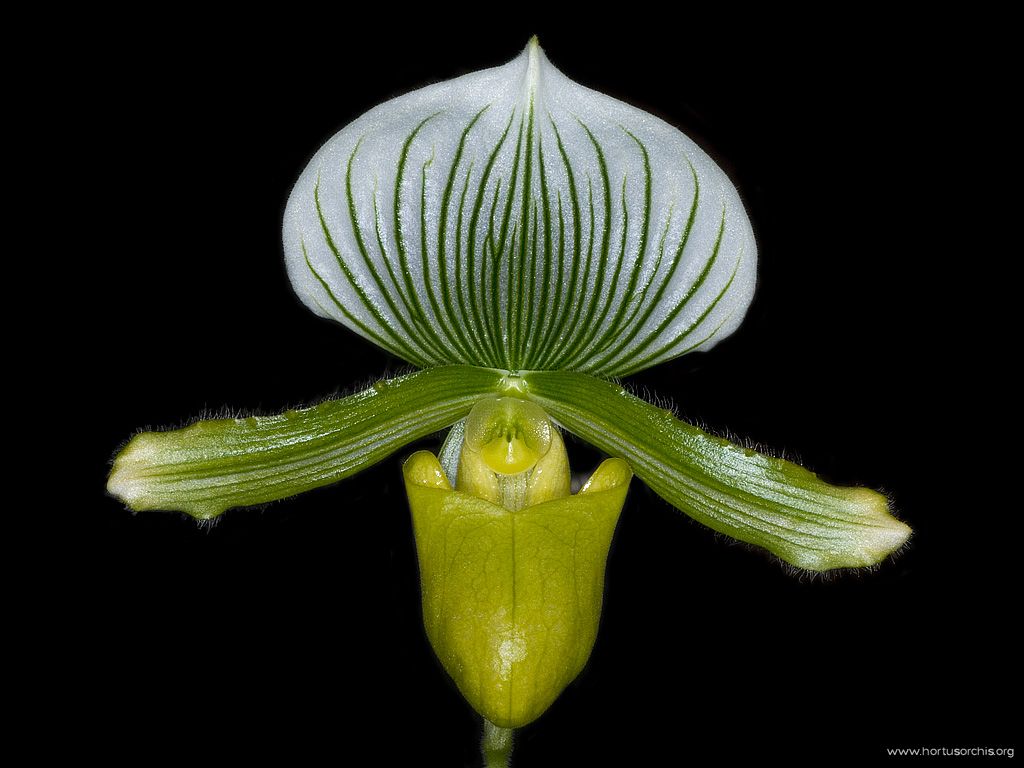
{"x": 525, "y": 242}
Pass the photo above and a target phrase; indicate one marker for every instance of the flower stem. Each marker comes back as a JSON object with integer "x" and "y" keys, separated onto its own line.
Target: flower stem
{"x": 496, "y": 745}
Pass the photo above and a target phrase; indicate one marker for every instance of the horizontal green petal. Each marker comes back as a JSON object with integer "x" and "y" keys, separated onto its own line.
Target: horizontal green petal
{"x": 755, "y": 498}
{"x": 212, "y": 466}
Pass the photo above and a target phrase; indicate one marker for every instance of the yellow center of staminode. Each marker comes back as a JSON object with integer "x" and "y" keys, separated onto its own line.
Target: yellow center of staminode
{"x": 512, "y": 455}
{"x": 510, "y": 435}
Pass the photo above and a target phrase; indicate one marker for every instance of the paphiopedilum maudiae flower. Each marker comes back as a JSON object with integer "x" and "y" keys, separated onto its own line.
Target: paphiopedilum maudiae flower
{"x": 524, "y": 241}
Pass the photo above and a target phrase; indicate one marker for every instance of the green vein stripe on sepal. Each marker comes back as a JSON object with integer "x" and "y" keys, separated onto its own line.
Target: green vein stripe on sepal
{"x": 601, "y": 365}
{"x": 385, "y": 256}
{"x": 584, "y": 289}
{"x": 500, "y": 324}
{"x": 542, "y": 314}
{"x": 535, "y": 307}
{"x": 630, "y": 298}
{"x": 475, "y": 333}
{"x": 370, "y": 333}
{"x": 212, "y": 466}
{"x": 489, "y": 324}
{"x": 455, "y": 321}
{"x": 511, "y": 267}
{"x": 522, "y": 291}
{"x": 554, "y": 351}
{"x": 610, "y": 292}
{"x": 755, "y": 498}
{"x": 555, "y": 311}
{"x": 641, "y": 301}
{"x": 503, "y": 250}
{"x": 671, "y": 350}
{"x": 600, "y": 287}
{"x": 396, "y": 344}
{"x": 475, "y": 279}
{"x": 426, "y": 328}
{"x": 623, "y": 357}
{"x": 408, "y": 337}
{"x": 455, "y": 353}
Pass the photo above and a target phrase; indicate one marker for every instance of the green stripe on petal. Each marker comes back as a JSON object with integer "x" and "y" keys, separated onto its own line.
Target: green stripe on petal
{"x": 522, "y": 222}
{"x": 214, "y": 465}
{"x": 758, "y": 499}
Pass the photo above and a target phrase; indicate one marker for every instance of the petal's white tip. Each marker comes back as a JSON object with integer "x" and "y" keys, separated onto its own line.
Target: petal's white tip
{"x": 511, "y": 218}
{"x": 127, "y": 480}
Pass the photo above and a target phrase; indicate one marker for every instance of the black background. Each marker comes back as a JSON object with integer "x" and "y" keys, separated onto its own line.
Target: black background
{"x": 295, "y": 630}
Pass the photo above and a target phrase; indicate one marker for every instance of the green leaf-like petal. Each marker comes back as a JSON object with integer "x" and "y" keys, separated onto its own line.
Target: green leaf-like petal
{"x": 762, "y": 500}
{"x": 212, "y": 466}
{"x": 514, "y": 219}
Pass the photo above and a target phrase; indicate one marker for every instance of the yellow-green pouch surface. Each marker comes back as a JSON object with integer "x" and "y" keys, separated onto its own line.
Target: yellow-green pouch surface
{"x": 512, "y": 600}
